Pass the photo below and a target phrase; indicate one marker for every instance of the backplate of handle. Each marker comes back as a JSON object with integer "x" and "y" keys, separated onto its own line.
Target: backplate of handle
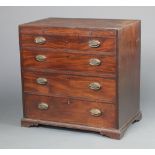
{"x": 94, "y": 62}
{"x": 94, "y": 86}
{"x": 96, "y": 112}
{"x": 39, "y": 40}
{"x": 41, "y": 81}
{"x": 43, "y": 106}
{"x": 94, "y": 43}
{"x": 40, "y": 58}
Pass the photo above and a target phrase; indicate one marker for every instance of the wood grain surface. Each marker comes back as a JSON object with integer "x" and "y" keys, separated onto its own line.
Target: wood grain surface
{"x": 69, "y": 61}
{"x": 69, "y": 111}
{"x": 69, "y": 85}
{"x": 70, "y": 42}
{"x": 69, "y": 73}
{"x": 128, "y": 72}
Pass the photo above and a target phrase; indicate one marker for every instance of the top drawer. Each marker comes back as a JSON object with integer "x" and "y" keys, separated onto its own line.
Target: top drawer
{"x": 66, "y": 38}
{"x": 84, "y": 43}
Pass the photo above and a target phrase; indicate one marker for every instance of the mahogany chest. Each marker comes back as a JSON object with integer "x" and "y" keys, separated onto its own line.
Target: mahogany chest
{"x": 81, "y": 73}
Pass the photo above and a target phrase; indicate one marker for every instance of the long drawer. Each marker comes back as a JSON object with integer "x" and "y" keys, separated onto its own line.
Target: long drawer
{"x": 91, "y": 88}
{"x": 65, "y": 61}
{"x": 77, "y": 42}
{"x": 94, "y": 114}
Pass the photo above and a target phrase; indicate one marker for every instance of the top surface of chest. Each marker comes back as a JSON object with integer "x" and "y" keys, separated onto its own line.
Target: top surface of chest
{"x": 76, "y": 27}
{"x": 81, "y": 23}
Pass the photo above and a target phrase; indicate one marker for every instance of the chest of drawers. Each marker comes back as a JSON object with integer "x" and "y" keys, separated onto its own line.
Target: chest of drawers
{"x": 81, "y": 73}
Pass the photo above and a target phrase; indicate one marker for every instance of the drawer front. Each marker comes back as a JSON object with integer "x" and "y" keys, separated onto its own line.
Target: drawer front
{"x": 69, "y": 61}
{"x": 91, "y": 88}
{"x": 65, "y": 110}
{"x": 77, "y": 42}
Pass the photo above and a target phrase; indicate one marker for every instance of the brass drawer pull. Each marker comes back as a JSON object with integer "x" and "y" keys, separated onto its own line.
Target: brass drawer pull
{"x": 94, "y": 62}
{"x": 94, "y": 43}
{"x": 95, "y": 86}
{"x": 43, "y": 106}
{"x": 40, "y": 58}
{"x": 40, "y": 40}
{"x": 95, "y": 112}
{"x": 41, "y": 81}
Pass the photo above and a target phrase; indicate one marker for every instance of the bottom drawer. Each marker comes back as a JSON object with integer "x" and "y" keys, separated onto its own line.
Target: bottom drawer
{"x": 58, "y": 109}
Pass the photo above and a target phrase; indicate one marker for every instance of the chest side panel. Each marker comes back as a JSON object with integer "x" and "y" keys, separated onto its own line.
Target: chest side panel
{"x": 128, "y": 72}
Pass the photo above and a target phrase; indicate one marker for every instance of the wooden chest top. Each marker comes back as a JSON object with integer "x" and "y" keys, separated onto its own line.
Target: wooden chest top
{"x": 81, "y": 23}
{"x": 75, "y": 27}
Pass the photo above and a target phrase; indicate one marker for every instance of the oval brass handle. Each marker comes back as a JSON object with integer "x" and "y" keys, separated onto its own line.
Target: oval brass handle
{"x": 40, "y": 58}
{"x": 94, "y": 62}
{"x": 96, "y": 112}
{"x": 40, "y": 40}
{"x": 94, "y": 43}
{"x": 43, "y": 106}
{"x": 95, "y": 86}
{"x": 41, "y": 81}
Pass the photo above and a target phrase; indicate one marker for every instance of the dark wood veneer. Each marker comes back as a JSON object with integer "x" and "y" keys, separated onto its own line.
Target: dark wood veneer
{"x": 68, "y": 110}
{"x": 70, "y": 42}
{"x": 128, "y": 71}
{"x": 69, "y": 61}
{"x": 69, "y": 74}
{"x": 70, "y": 85}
